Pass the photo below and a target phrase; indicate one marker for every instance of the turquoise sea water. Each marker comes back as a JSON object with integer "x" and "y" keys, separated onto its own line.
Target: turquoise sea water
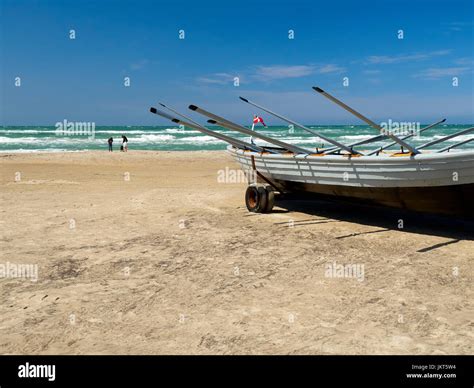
{"x": 46, "y": 139}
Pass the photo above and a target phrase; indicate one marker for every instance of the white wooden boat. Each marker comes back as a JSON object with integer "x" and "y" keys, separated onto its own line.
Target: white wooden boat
{"x": 440, "y": 182}
{"x": 429, "y": 182}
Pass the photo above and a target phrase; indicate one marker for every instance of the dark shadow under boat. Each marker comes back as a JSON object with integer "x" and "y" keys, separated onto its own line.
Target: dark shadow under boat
{"x": 378, "y": 216}
{"x": 454, "y": 201}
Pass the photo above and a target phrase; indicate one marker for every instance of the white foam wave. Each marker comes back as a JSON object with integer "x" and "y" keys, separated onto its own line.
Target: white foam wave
{"x": 454, "y": 139}
{"x": 199, "y": 139}
{"x": 355, "y": 137}
{"x": 36, "y": 150}
{"x": 49, "y": 140}
{"x": 151, "y": 138}
{"x": 179, "y": 130}
{"x": 26, "y": 131}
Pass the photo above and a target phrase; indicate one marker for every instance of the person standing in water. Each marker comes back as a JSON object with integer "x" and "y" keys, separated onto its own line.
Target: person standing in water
{"x": 124, "y": 143}
{"x": 110, "y": 141}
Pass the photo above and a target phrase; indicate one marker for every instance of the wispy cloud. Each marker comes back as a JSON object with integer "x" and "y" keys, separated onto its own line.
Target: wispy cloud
{"x": 372, "y": 72}
{"x": 280, "y": 72}
{"x": 275, "y": 72}
{"x": 271, "y": 73}
{"x": 139, "y": 64}
{"x": 459, "y": 26}
{"x": 387, "y": 59}
{"x": 375, "y": 81}
{"x": 217, "y": 79}
{"x": 440, "y": 72}
{"x": 464, "y": 61}
{"x": 330, "y": 68}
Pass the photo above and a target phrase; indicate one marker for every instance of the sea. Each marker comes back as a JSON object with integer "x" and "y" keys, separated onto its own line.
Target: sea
{"x": 18, "y": 139}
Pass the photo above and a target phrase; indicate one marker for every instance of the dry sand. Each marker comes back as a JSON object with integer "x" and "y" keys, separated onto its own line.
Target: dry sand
{"x": 171, "y": 262}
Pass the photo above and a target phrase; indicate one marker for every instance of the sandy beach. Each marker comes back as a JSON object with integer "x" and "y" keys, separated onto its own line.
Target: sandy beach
{"x": 148, "y": 253}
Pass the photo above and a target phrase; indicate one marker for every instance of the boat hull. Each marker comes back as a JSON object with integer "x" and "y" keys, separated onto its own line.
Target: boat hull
{"x": 429, "y": 183}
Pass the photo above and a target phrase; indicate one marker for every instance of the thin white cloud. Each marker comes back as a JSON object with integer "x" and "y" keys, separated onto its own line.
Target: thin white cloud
{"x": 375, "y": 81}
{"x": 464, "y": 61}
{"x": 388, "y": 59}
{"x": 270, "y": 73}
{"x": 459, "y": 26}
{"x": 217, "y": 79}
{"x": 139, "y": 65}
{"x": 281, "y": 72}
{"x": 275, "y": 72}
{"x": 372, "y": 72}
{"x": 330, "y": 68}
{"x": 440, "y": 72}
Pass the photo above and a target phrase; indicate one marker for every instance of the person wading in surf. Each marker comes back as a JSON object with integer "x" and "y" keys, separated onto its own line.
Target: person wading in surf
{"x": 124, "y": 143}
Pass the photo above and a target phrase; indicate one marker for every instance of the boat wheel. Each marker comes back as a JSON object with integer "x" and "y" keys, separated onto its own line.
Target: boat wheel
{"x": 258, "y": 199}
{"x": 270, "y": 200}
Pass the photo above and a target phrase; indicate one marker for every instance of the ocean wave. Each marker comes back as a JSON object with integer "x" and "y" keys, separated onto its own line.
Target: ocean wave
{"x": 28, "y": 131}
{"x": 355, "y": 137}
{"x": 151, "y": 138}
{"x": 118, "y": 132}
{"x": 49, "y": 140}
{"x": 179, "y": 130}
{"x": 36, "y": 150}
{"x": 308, "y": 140}
{"x": 142, "y": 132}
{"x": 199, "y": 139}
{"x": 454, "y": 139}
{"x": 32, "y": 139}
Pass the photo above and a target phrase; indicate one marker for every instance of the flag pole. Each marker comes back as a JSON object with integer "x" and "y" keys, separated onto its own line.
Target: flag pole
{"x": 253, "y": 129}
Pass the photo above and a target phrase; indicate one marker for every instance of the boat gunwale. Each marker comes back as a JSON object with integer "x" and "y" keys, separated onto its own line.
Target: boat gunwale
{"x": 425, "y": 157}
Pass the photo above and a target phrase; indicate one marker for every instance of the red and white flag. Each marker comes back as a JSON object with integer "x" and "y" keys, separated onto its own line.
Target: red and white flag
{"x": 257, "y": 119}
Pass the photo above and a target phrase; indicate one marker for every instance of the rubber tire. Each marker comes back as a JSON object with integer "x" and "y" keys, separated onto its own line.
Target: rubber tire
{"x": 256, "y": 199}
{"x": 270, "y": 201}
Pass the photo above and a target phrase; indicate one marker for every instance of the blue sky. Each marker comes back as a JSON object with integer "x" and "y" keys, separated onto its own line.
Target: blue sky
{"x": 83, "y": 79}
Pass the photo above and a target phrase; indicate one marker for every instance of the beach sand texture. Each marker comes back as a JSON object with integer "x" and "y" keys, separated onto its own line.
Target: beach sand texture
{"x": 147, "y": 253}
